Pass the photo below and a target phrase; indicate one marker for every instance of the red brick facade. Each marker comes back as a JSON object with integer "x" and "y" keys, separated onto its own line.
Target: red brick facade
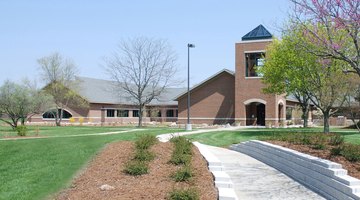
{"x": 248, "y": 90}
{"x": 212, "y": 102}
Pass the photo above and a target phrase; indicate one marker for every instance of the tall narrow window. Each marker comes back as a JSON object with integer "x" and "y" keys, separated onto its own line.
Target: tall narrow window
{"x": 289, "y": 113}
{"x": 135, "y": 113}
{"x": 110, "y": 113}
{"x": 254, "y": 61}
{"x": 170, "y": 113}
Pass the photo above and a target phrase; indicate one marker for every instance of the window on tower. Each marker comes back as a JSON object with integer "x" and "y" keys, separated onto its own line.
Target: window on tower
{"x": 254, "y": 61}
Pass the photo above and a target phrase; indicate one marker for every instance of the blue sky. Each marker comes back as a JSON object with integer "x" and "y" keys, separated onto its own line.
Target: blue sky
{"x": 87, "y": 31}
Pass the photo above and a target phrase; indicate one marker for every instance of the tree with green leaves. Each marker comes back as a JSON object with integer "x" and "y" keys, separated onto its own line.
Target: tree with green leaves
{"x": 290, "y": 68}
{"x": 280, "y": 76}
{"x": 19, "y": 102}
{"x": 59, "y": 75}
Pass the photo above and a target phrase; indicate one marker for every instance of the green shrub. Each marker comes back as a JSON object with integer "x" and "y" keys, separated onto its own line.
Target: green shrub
{"x": 145, "y": 141}
{"x": 319, "y": 140}
{"x": 21, "y": 130}
{"x": 336, "y": 139}
{"x": 182, "y": 145}
{"x": 178, "y": 159}
{"x": 144, "y": 155}
{"x": 336, "y": 151}
{"x": 351, "y": 152}
{"x": 136, "y": 168}
{"x": 183, "y": 174}
{"x": 184, "y": 194}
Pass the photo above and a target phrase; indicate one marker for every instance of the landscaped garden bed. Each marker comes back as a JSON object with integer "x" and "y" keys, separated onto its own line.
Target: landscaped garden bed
{"x": 108, "y": 167}
{"x": 326, "y": 146}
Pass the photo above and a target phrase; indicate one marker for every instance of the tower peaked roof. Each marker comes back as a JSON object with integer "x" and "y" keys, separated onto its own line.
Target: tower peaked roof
{"x": 257, "y": 33}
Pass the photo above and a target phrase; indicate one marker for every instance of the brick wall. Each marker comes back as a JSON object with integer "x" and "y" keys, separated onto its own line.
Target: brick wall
{"x": 211, "y": 103}
{"x": 247, "y": 88}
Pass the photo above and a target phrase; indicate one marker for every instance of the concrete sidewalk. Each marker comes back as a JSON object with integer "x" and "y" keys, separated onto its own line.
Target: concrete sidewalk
{"x": 254, "y": 180}
{"x": 167, "y": 137}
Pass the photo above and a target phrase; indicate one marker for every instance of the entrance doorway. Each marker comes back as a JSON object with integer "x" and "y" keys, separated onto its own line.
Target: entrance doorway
{"x": 255, "y": 114}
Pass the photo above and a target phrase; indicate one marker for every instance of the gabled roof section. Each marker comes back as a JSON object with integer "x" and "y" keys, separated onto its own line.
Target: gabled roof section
{"x": 257, "y": 33}
{"x": 103, "y": 91}
{"x": 205, "y": 81}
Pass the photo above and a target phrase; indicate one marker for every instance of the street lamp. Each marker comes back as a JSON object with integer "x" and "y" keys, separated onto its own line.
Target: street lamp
{"x": 188, "y": 125}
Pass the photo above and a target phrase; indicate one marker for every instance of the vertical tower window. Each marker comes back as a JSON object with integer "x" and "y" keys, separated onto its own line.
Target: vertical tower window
{"x": 254, "y": 61}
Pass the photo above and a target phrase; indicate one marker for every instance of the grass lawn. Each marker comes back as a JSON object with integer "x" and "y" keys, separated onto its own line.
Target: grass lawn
{"x": 37, "y": 168}
{"x": 226, "y": 138}
{"x": 65, "y": 130}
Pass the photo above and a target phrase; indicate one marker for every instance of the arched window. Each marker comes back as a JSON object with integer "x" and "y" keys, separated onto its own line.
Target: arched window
{"x": 51, "y": 114}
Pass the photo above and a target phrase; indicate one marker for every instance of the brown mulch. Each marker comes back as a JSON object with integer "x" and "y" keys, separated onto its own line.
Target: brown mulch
{"x": 352, "y": 167}
{"x": 108, "y": 166}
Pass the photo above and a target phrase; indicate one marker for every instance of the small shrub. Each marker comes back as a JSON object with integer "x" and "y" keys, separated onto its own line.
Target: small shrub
{"x": 351, "y": 152}
{"x": 182, "y": 145}
{"x": 184, "y": 194}
{"x": 81, "y": 121}
{"x": 21, "y": 130}
{"x": 183, "y": 174}
{"x": 136, "y": 168}
{"x": 72, "y": 120}
{"x": 336, "y": 139}
{"x": 319, "y": 141}
{"x": 179, "y": 158}
{"x": 336, "y": 151}
{"x": 145, "y": 141}
{"x": 144, "y": 155}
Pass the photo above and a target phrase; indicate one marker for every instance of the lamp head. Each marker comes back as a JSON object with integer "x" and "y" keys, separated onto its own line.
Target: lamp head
{"x": 191, "y": 45}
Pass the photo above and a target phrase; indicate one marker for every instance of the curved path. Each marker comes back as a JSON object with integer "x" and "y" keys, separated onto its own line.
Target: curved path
{"x": 254, "y": 180}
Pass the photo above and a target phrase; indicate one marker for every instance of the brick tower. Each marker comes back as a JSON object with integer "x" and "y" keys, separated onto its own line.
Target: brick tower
{"x": 252, "y": 106}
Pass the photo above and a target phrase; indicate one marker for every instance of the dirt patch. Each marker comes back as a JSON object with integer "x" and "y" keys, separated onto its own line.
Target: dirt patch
{"x": 352, "y": 167}
{"x": 107, "y": 168}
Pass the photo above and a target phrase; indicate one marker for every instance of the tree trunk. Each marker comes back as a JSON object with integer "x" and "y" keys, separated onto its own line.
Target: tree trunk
{"x": 23, "y": 121}
{"x": 326, "y": 122}
{"x": 305, "y": 115}
{"x": 140, "y": 116}
{"x": 57, "y": 117}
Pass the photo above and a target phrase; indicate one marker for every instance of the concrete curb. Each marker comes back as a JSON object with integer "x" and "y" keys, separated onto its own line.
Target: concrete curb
{"x": 322, "y": 176}
{"x": 222, "y": 179}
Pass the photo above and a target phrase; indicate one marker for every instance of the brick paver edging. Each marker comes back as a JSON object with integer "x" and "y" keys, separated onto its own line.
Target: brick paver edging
{"x": 322, "y": 176}
{"x": 222, "y": 179}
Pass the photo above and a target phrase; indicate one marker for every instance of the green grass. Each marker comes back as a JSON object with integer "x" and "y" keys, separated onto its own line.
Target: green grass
{"x": 226, "y": 138}
{"x": 69, "y": 130}
{"x": 37, "y": 168}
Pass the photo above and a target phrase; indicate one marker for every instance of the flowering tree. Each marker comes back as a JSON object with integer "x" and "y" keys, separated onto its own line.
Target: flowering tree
{"x": 290, "y": 68}
{"x": 333, "y": 26}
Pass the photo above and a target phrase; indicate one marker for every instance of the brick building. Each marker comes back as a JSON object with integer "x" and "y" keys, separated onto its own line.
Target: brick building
{"x": 226, "y": 97}
{"x": 106, "y": 106}
{"x": 237, "y": 97}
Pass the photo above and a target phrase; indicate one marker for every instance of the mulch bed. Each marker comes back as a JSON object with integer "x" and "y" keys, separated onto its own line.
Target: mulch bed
{"x": 108, "y": 166}
{"x": 352, "y": 167}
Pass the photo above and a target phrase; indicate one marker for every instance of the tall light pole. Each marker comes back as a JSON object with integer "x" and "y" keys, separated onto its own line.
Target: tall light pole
{"x": 188, "y": 125}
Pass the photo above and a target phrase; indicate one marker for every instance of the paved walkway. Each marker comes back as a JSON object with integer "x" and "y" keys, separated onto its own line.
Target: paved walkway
{"x": 167, "y": 137}
{"x": 254, "y": 180}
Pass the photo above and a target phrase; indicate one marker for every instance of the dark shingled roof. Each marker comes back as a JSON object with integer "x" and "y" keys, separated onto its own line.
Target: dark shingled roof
{"x": 258, "y": 33}
{"x": 103, "y": 91}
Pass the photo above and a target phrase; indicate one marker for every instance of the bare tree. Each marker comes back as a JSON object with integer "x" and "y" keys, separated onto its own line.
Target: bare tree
{"x": 334, "y": 27}
{"x": 142, "y": 68}
{"x": 59, "y": 75}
